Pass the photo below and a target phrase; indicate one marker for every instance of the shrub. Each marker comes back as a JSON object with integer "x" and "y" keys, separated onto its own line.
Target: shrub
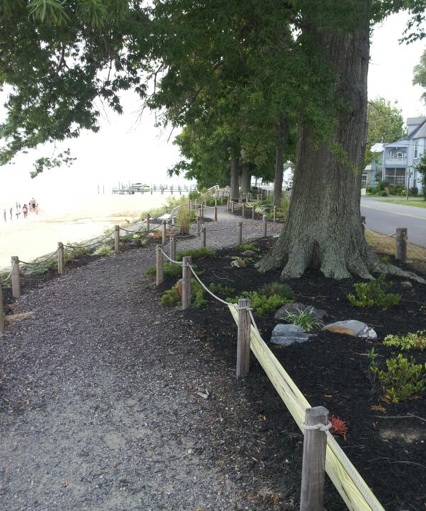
{"x": 277, "y": 288}
{"x": 170, "y": 270}
{"x": 196, "y": 253}
{"x": 400, "y": 380}
{"x": 374, "y": 293}
{"x": 184, "y": 219}
{"x": 103, "y": 250}
{"x": 415, "y": 341}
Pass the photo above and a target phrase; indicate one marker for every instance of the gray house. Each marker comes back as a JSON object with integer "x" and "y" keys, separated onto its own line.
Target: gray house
{"x": 396, "y": 162}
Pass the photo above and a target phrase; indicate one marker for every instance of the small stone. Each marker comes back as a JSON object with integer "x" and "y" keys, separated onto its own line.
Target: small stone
{"x": 249, "y": 253}
{"x": 352, "y": 327}
{"x": 286, "y": 335}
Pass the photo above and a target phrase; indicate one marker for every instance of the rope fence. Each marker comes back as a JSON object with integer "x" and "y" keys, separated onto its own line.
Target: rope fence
{"x": 320, "y": 447}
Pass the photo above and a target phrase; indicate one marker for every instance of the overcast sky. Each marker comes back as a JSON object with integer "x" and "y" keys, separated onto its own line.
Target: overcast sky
{"x": 130, "y": 149}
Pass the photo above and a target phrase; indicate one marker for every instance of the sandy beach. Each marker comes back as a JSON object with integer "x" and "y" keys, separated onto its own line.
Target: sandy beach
{"x": 70, "y": 221}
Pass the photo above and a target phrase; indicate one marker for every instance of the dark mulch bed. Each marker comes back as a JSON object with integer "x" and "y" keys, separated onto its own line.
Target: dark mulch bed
{"x": 385, "y": 442}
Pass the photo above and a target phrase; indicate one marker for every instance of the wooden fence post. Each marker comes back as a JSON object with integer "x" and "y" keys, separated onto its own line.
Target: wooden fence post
{"x": 265, "y": 226}
{"x": 243, "y": 341}
{"x": 240, "y": 233}
{"x": 117, "y": 239}
{"x": 401, "y": 244}
{"x": 253, "y": 211}
{"x": 164, "y": 233}
{"x": 215, "y": 212}
{"x": 159, "y": 273}
{"x": 61, "y": 258}
{"x": 1, "y": 310}
{"x": 198, "y": 225}
{"x": 313, "y": 467}
{"x": 186, "y": 282}
{"x": 243, "y": 212}
{"x": 172, "y": 247}
{"x": 16, "y": 283}
{"x": 203, "y": 238}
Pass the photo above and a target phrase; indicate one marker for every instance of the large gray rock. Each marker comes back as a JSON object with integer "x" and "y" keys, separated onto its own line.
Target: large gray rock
{"x": 286, "y": 335}
{"x": 296, "y": 307}
{"x": 352, "y": 327}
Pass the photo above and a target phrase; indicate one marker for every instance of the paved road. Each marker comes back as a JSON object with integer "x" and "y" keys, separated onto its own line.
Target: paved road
{"x": 385, "y": 217}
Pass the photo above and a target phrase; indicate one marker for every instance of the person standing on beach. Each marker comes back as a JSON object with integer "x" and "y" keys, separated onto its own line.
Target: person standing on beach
{"x": 25, "y": 210}
{"x": 5, "y": 215}
{"x": 11, "y": 213}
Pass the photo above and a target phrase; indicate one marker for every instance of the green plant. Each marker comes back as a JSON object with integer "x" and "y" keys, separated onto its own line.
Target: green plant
{"x": 195, "y": 253}
{"x": 374, "y": 293}
{"x": 184, "y": 219}
{"x": 76, "y": 251}
{"x": 305, "y": 319}
{"x": 385, "y": 259}
{"x": 277, "y": 288}
{"x": 103, "y": 250}
{"x": 170, "y": 270}
{"x": 412, "y": 340}
{"x": 261, "y": 304}
{"x": 173, "y": 296}
{"x": 220, "y": 290}
{"x": 400, "y": 380}
{"x": 247, "y": 246}
{"x": 38, "y": 267}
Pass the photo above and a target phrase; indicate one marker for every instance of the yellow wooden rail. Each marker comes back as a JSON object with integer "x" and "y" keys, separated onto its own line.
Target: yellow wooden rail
{"x": 350, "y": 485}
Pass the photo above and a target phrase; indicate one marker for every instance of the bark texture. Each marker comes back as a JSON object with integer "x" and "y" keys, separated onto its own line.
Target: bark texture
{"x": 324, "y": 230}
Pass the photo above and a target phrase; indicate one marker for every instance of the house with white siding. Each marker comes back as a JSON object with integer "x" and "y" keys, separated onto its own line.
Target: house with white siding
{"x": 396, "y": 162}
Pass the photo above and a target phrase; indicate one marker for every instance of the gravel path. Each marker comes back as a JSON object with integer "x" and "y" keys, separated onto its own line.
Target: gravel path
{"x": 99, "y": 399}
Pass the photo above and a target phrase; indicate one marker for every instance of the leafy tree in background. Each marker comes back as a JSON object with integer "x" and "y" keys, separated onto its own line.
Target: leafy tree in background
{"x": 228, "y": 64}
{"x": 420, "y": 74}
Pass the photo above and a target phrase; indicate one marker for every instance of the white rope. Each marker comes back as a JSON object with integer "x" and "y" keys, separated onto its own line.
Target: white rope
{"x": 208, "y": 290}
{"x": 321, "y": 427}
{"x": 378, "y": 235}
{"x": 180, "y": 263}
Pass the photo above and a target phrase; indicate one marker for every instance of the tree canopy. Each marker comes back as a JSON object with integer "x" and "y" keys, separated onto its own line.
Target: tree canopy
{"x": 385, "y": 123}
{"x": 240, "y": 77}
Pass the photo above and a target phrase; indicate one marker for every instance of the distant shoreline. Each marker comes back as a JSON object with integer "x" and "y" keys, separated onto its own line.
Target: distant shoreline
{"x": 71, "y": 221}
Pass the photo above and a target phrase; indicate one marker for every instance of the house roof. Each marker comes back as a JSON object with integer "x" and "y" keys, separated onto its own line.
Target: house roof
{"x": 378, "y": 147}
{"x": 421, "y": 132}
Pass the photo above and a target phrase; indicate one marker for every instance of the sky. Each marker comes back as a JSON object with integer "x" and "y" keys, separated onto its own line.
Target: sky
{"x": 130, "y": 149}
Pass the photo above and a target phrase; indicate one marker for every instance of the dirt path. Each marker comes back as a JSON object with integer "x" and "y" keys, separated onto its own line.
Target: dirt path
{"x": 101, "y": 403}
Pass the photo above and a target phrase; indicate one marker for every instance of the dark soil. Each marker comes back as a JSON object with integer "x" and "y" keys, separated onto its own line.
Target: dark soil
{"x": 385, "y": 441}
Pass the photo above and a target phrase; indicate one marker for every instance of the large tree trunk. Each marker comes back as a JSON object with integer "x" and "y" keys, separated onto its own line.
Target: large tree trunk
{"x": 323, "y": 230}
{"x": 282, "y": 135}
{"x": 245, "y": 178}
{"x": 235, "y": 173}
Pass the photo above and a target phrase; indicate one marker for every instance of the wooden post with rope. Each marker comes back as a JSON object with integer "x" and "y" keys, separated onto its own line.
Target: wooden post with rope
{"x": 265, "y": 226}
{"x": 117, "y": 239}
{"x": 164, "y": 233}
{"x": 186, "y": 282}
{"x": 240, "y": 233}
{"x": 16, "y": 283}
{"x": 1, "y": 310}
{"x": 401, "y": 244}
{"x": 215, "y": 211}
{"x": 159, "y": 271}
{"x": 203, "y": 237}
{"x": 313, "y": 465}
{"x": 173, "y": 247}
{"x": 253, "y": 211}
{"x": 61, "y": 258}
{"x": 243, "y": 340}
